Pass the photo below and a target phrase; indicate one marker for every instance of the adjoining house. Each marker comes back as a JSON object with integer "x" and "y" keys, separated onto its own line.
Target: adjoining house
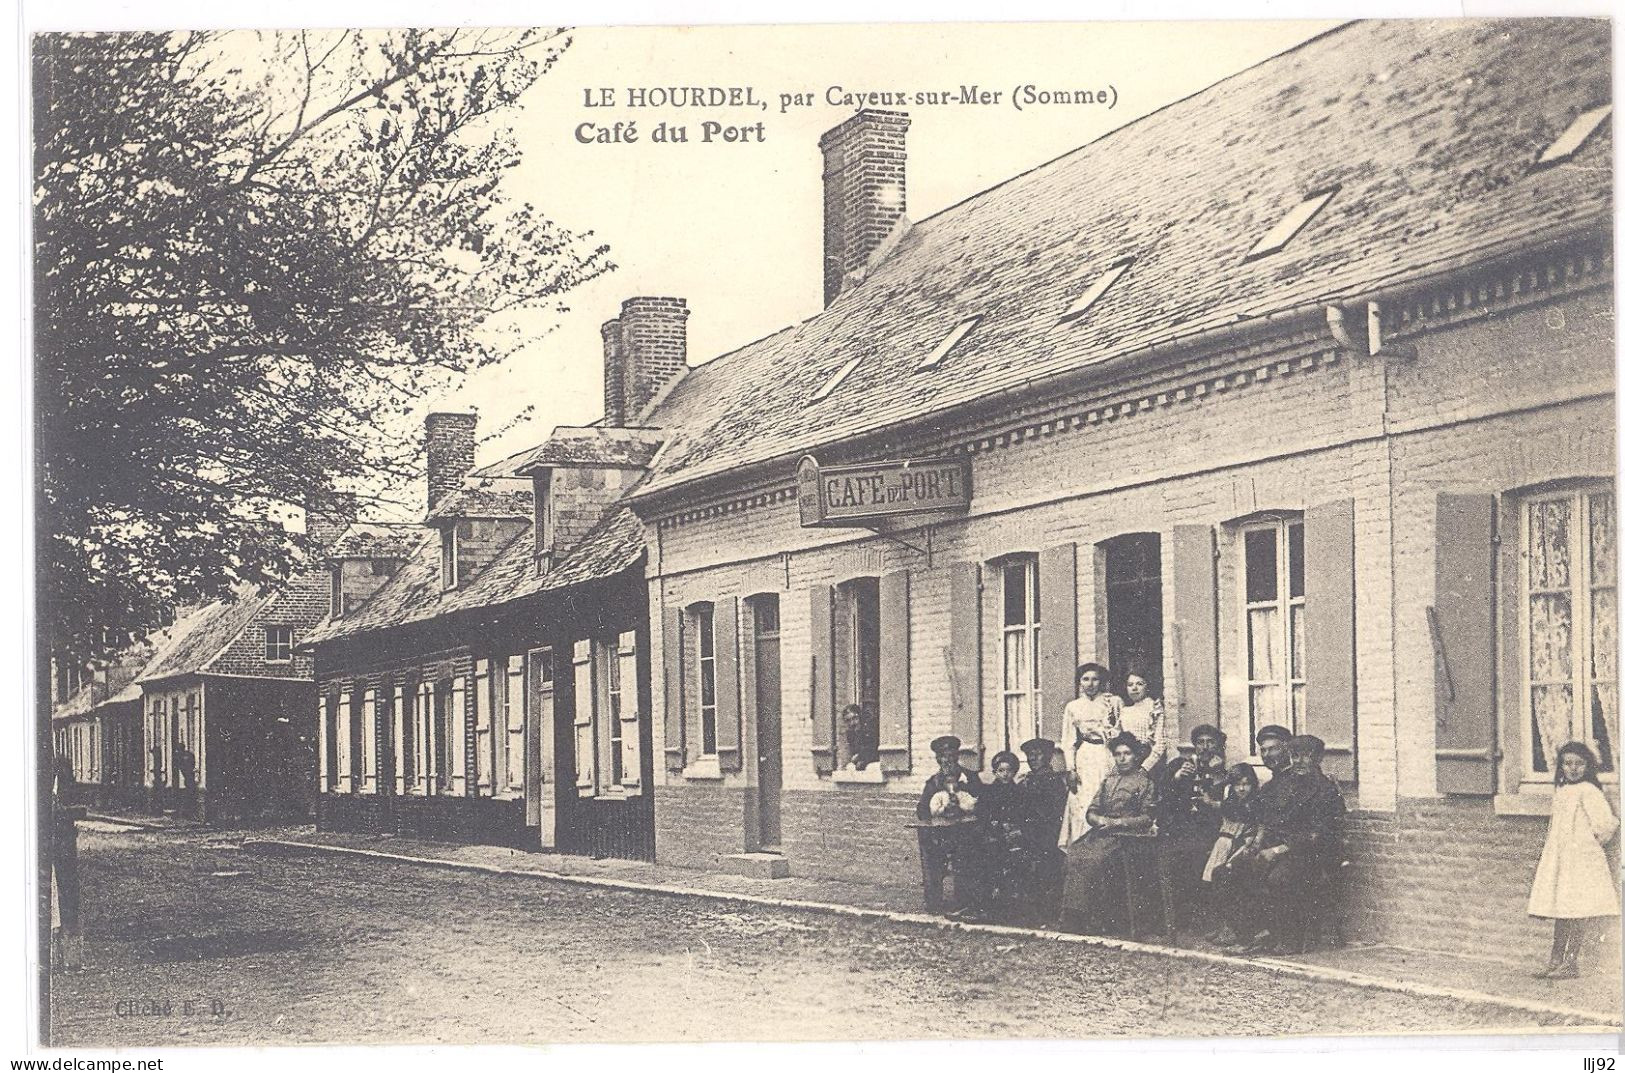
{"x": 495, "y": 687}
{"x": 1296, "y": 395}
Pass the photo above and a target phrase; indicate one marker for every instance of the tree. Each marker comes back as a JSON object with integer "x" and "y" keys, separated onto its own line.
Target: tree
{"x": 253, "y": 254}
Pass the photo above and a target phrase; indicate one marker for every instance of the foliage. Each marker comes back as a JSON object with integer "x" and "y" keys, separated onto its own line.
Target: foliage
{"x": 254, "y": 254}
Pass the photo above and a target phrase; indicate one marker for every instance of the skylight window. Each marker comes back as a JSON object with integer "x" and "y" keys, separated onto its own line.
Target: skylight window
{"x": 1287, "y": 228}
{"x": 1568, "y": 143}
{"x": 835, "y": 381}
{"x": 933, "y": 359}
{"x": 1096, "y": 289}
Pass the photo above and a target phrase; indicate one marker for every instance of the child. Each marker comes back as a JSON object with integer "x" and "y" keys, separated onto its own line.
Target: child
{"x": 1574, "y": 885}
{"x": 1001, "y": 809}
{"x": 1235, "y": 828}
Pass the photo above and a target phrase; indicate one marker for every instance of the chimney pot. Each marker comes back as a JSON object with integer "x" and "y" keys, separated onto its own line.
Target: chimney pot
{"x": 645, "y": 349}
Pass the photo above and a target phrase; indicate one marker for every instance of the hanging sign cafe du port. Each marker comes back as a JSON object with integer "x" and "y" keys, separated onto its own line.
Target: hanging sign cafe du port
{"x": 854, "y": 495}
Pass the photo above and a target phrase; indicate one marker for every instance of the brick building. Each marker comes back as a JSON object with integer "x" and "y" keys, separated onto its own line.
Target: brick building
{"x": 1297, "y": 393}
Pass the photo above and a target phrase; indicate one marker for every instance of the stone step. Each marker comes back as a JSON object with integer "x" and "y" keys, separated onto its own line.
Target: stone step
{"x": 757, "y": 865}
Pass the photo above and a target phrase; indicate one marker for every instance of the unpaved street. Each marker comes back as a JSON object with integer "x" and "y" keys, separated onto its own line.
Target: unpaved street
{"x": 329, "y": 950}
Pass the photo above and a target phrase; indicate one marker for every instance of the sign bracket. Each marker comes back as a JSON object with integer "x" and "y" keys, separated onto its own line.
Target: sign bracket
{"x": 925, "y": 551}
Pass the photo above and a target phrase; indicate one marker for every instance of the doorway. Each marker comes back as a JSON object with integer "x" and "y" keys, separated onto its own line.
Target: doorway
{"x": 1134, "y": 608}
{"x": 769, "y": 739}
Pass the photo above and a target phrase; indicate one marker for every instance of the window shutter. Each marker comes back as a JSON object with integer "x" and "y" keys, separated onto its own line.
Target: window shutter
{"x": 585, "y": 746}
{"x": 821, "y": 692}
{"x": 538, "y": 731}
{"x": 482, "y": 727}
{"x": 1328, "y": 561}
{"x": 725, "y": 621}
{"x": 1464, "y": 664}
{"x": 964, "y": 654}
{"x": 675, "y": 665}
{"x": 324, "y": 755}
{"x": 631, "y": 714}
{"x": 398, "y": 739}
{"x": 513, "y": 705}
{"x": 369, "y": 742}
{"x": 1196, "y": 618}
{"x": 345, "y": 780}
{"x": 1057, "y": 635}
{"x": 894, "y": 672}
{"x": 457, "y": 736}
{"x": 422, "y": 744}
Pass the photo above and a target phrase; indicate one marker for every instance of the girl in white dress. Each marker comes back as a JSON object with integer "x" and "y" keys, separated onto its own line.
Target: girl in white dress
{"x": 1143, "y": 717}
{"x": 1574, "y": 886}
{"x": 1088, "y": 723}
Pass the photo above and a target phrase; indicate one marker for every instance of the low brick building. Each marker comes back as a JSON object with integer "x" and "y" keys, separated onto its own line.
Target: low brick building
{"x": 1297, "y": 394}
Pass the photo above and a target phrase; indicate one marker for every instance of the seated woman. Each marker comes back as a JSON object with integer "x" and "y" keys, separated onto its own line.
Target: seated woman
{"x": 1124, "y": 805}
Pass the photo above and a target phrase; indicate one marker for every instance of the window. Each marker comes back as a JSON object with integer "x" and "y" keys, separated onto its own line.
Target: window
{"x": 705, "y": 673}
{"x": 612, "y": 679}
{"x": 1569, "y": 142}
{"x": 1287, "y": 228}
{"x": 1019, "y": 649}
{"x": 857, "y": 672}
{"x": 279, "y": 644}
{"x": 962, "y": 329}
{"x": 457, "y": 737}
{"x": 424, "y": 771}
{"x": 369, "y": 742}
{"x": 1273, "y": 624}
{"x": 448, "y": 556}
{"x": 1569, "y": 613}
{"x": 482, "y": 726}
{"x": 336, "y": 605}
{"x": 401, "y": 714}
{"x": 346, "y": 773}
{"x": 835, "y": 380}
{"x": 327, "y": 761}
{"x": 1096, "y": 291}
{"x": 542, "y": 491}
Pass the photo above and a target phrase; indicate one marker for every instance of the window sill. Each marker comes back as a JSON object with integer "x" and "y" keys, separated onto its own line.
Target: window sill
{"x": 705, "y": 769}
{"x": 869, "y": 776}
{"x": 1523, "y": 804}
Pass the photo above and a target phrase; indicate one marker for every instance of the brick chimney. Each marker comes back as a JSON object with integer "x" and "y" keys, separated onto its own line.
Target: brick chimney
{"x": 327, "y": 518}
{"x": 449, "y": 447}
{"x": 865, "y": 191}
{"x": 645, "y": 349}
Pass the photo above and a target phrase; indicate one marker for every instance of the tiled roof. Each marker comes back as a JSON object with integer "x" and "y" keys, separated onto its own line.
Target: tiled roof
{"x": 204, "y": 634}
{"x": 115, "y": 680}
{"x": 375, "y": 540}
{"x": 487, "y": 497}
{"x": 414, "y": 593}
{"x": 591, "y": 446}
{"x": 1428, "y": 129}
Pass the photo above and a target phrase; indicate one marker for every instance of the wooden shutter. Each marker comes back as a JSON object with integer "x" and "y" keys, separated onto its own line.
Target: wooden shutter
{"x": 457, "y": 736}
{"x": 1057, "y": 635}
{"x": 673, "y": 665}
{"x": 631, "y": 713}
{"x": 324, "y": 754}
{"x": 964, "y": 657}
{"x": 821, "y": 688}
{"x": 585, "y": 745}
{"x": 1328, "y": 562}
{"x": 398, "y": 738}
{"x": 513, "y": 706}
{"x": 725, "y": 623}
{"x": 346, "y": 779}
{"x": 894, "y": 672}
{"x": 482, "y": 727}
{"x": 1196, "y": 621}
{"x": 369, "y": 742}
{"x": 1464, "y": 636}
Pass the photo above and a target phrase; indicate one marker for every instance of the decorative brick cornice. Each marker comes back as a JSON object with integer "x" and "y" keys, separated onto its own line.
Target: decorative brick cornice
{"x": 1557, "y": 274}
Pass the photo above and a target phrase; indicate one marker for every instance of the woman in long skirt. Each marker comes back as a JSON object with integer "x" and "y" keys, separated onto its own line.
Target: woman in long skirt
{"x": 1125, "y": 805}
{"x": 1089, "y": 722}
{"x": 1574, "y": 886}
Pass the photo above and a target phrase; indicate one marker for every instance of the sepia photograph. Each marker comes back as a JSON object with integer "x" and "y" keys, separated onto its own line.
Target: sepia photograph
{"x": 907, "y": 531}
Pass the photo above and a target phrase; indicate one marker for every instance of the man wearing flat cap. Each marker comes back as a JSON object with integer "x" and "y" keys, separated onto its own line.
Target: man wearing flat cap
{"x": 1271, "y": 742}
{"x": 1043, "y": 794}
{"x": 950, "y": 794}
{"x": 1300, "y": 825}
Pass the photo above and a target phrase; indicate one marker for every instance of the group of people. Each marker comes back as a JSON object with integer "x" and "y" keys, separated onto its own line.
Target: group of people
{"x": 1069, "y": 846}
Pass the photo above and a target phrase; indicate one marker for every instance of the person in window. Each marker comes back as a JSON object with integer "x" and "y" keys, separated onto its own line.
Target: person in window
{"x": 1143, "y": 716}
{"x": 1236, "y": 829}
{"x": 1300, "y": 840}
{"x": 1574, "y": 884}
{"x": 862, "y": 730}
{"x": 1087, "y": 724}
{"x": 1124, "y": 805}
{"x": 1043, "y": 792}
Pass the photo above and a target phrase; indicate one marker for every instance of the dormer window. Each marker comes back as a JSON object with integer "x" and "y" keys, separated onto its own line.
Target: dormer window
{"x": 1569, "y": 142}
{"x": 336, "y": 608}
{"x": 542, "y": 504}
{"x": 1288, "y": 226}
{"x": 448, "y": 556}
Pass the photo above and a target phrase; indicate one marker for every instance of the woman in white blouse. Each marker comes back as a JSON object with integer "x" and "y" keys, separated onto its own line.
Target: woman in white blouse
{"x": 1088, "y": 723}
{"x": 1143, "y": 717}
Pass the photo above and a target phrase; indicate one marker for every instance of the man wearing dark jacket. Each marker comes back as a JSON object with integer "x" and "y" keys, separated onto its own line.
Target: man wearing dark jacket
{"x": 1044, "y": 792}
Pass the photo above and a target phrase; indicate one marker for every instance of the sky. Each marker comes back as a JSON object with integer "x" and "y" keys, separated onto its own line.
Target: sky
{"x": 736, "y": 229}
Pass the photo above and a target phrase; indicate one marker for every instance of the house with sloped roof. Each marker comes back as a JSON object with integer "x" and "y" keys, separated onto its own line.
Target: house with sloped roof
{"x": 1293, "y": 400}
{"x": 494, "y": 687}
